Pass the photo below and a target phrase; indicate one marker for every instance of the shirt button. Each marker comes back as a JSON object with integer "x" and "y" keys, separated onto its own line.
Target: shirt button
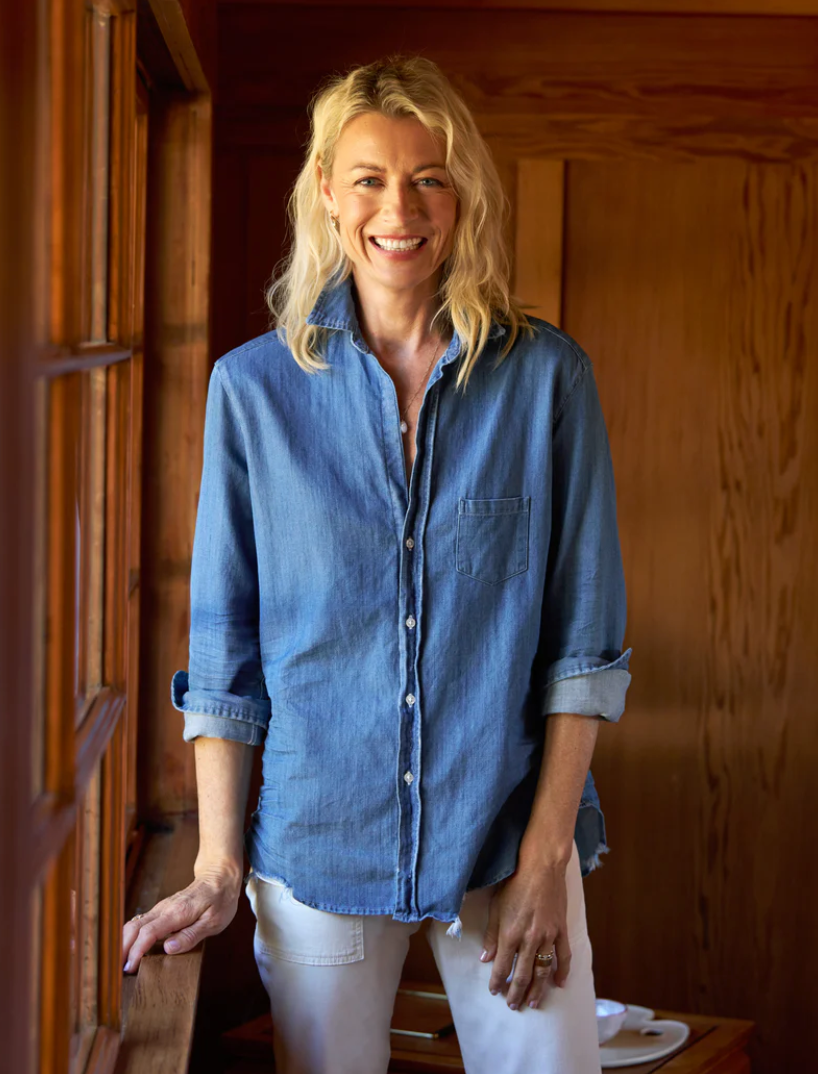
{"x": 410, "y": 622}
{"x": 410, "y": 699}
{"x": 410, "y": 543}
{"x": 408, "y": 777}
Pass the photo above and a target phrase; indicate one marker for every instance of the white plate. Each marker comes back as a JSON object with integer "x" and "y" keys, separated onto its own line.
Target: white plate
{"x": 642, "y": 1039}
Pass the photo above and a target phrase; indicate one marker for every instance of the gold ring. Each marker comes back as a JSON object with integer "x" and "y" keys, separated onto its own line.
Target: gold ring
{"x": 547, "y": 959}
{"x": 136, "y": 917}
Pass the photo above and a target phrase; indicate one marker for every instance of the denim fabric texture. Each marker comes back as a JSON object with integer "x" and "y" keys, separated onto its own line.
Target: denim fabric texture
{"x": 396, "y": 651}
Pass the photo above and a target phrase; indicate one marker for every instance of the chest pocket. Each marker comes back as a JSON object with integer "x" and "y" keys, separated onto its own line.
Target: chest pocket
{"x": 492, "y": 538}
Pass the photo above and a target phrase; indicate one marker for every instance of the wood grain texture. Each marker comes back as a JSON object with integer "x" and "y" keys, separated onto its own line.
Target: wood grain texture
{"x": 521, "y": 62}
{"x": 269, "y": 183}
{"x": 680, "y": 139}
{"x": 715, "y": 1046}
{"x": 689, "y": 288}
{"x": 249, "y": 231}
{"x": 200, "y": 18}
{"x": 647, "y": 7}
{"x": 547, "y": 84}
{"x": 160, "y": 999}
{"x": 538, "y": 249}
{"x": 173, "y": 17}
{"x": 177, "y": 343}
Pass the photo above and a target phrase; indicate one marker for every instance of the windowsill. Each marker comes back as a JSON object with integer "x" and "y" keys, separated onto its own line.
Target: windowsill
{"x": 159, "y": 1000}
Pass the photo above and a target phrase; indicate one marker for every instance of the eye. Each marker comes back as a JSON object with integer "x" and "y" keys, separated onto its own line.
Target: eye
{"x": 367, "y": 179}
{"x": 429, "y": 179}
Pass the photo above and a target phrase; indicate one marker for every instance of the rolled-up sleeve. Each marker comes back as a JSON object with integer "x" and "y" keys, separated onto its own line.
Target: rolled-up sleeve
{"x": 584, "y": 670}
{"x": 223, "y": 693}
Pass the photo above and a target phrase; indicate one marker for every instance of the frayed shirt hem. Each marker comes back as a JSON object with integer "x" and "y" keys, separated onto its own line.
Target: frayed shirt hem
{"x": 455, "y": 929}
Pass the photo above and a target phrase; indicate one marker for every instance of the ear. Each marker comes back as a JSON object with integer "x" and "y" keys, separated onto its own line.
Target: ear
{"x": 326, "y": 191}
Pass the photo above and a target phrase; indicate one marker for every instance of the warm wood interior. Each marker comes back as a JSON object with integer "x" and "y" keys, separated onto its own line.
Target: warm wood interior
{"x": 660, "y": 160}
{"x": 663, "y": 211}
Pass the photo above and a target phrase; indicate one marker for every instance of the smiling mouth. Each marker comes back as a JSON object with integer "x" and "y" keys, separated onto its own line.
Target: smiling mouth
{"x": 397, "y": 245}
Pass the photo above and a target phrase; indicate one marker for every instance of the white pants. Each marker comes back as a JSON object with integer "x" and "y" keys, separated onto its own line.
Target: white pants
{"x": 332, "y": 981}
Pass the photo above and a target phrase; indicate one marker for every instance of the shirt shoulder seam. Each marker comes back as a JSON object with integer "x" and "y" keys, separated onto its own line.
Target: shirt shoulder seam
{"x": 578, "y": 379}
{"x": 236, "y": 413}
{"x": 244, "y": 348}
{"x": 581, "y": 357}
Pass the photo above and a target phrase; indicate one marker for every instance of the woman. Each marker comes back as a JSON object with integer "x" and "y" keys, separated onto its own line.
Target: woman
{"x": 407, "y": 584}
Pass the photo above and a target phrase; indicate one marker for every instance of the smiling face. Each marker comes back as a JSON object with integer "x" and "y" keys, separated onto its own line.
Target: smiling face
{"x": 396, "y": 206}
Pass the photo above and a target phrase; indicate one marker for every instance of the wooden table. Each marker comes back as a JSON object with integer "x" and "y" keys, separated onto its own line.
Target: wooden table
{"x": 715, "y": 1046}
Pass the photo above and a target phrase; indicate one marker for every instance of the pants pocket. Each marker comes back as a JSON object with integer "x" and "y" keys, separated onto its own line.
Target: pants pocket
{"x": 290, "y": 930}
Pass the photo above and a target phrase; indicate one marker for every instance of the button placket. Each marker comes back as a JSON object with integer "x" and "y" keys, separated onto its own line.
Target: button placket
{"x": 410, "y": 734}
{"x": 414, "y": 520}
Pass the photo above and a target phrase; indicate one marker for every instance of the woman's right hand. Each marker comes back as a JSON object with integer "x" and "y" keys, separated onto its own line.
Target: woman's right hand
{"x": 204, "y": 908}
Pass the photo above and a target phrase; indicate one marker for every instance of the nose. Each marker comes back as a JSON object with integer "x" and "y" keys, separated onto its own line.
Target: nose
{"x": 400, "y": 203}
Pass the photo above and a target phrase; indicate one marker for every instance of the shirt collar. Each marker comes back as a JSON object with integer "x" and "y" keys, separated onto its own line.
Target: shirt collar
{"x": 335, "y": 308}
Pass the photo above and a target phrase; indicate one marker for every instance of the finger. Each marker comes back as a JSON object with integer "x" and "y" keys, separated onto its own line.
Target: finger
{"x": 502, "y": 965}
{"x": 490, "y": 934}
{"x": 185, "y": 939}
{"x": 563, "y": 960}
{"x": 130, "y": 930}
{"x": 131, "y": 948}
{"x": 523, "y": 976}
{"x": 176, "y": 916}
{"x": 146, "y": 937}
{"x": 133, "y": 924}
{"x": 540, "y": 983}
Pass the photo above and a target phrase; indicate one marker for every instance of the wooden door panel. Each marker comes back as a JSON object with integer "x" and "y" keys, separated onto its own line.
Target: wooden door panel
{"x": 689, "y": 287}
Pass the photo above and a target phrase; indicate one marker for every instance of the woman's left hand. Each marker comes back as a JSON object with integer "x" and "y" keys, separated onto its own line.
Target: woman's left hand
{"x": 527, "y": 914}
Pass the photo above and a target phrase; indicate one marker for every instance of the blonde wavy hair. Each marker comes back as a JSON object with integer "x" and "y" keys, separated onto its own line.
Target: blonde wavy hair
{"x": 474, "y": 284}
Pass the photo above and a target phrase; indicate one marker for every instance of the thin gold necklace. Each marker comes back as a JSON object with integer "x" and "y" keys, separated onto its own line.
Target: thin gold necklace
{"x": 404, "y": 427}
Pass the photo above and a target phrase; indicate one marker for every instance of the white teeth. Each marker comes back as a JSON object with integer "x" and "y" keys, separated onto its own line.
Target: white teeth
{"x": 399, "y": 244}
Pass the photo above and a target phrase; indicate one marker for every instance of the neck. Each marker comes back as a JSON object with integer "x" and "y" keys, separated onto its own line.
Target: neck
{"x": 397, "y": 322}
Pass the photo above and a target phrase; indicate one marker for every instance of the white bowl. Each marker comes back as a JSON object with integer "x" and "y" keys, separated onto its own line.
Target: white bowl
{"x": 610, "y": 1017}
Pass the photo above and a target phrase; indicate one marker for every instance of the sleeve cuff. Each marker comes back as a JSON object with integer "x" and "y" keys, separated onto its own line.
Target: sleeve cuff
{"x": 574, "y": 686}
{"x": 218, "y": 713}
{"x": 196, "y": 724}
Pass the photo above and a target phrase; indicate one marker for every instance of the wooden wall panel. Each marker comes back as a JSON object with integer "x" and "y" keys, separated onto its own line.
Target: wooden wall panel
{"x": 516, "y": 63}
{"x": 249, "y": 232}
{"x": 646, "y": 7}
{"x": 689, "y": 287}
{"x": 551, "y": 84}
{"x": 538, "y": 247}
{"x": 269, "y": 181}
{"x": 177, "y": 369}
{"x": 586, "y": 137}
{"x": 188, "y": 28}
{"x": 201, "y": 19}
{"x": 230, "y": 239}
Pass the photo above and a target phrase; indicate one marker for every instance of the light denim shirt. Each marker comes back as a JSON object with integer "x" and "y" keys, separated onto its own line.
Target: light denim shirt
{"x": 396, "y": 650}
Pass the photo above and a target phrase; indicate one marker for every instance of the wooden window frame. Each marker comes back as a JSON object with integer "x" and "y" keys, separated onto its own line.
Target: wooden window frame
{"x": 43, "y": 360}
{"x": 74, "y": 751}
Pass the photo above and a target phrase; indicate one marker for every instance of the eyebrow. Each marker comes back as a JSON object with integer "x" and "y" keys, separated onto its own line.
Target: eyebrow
{"x": 376, "y": 168}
